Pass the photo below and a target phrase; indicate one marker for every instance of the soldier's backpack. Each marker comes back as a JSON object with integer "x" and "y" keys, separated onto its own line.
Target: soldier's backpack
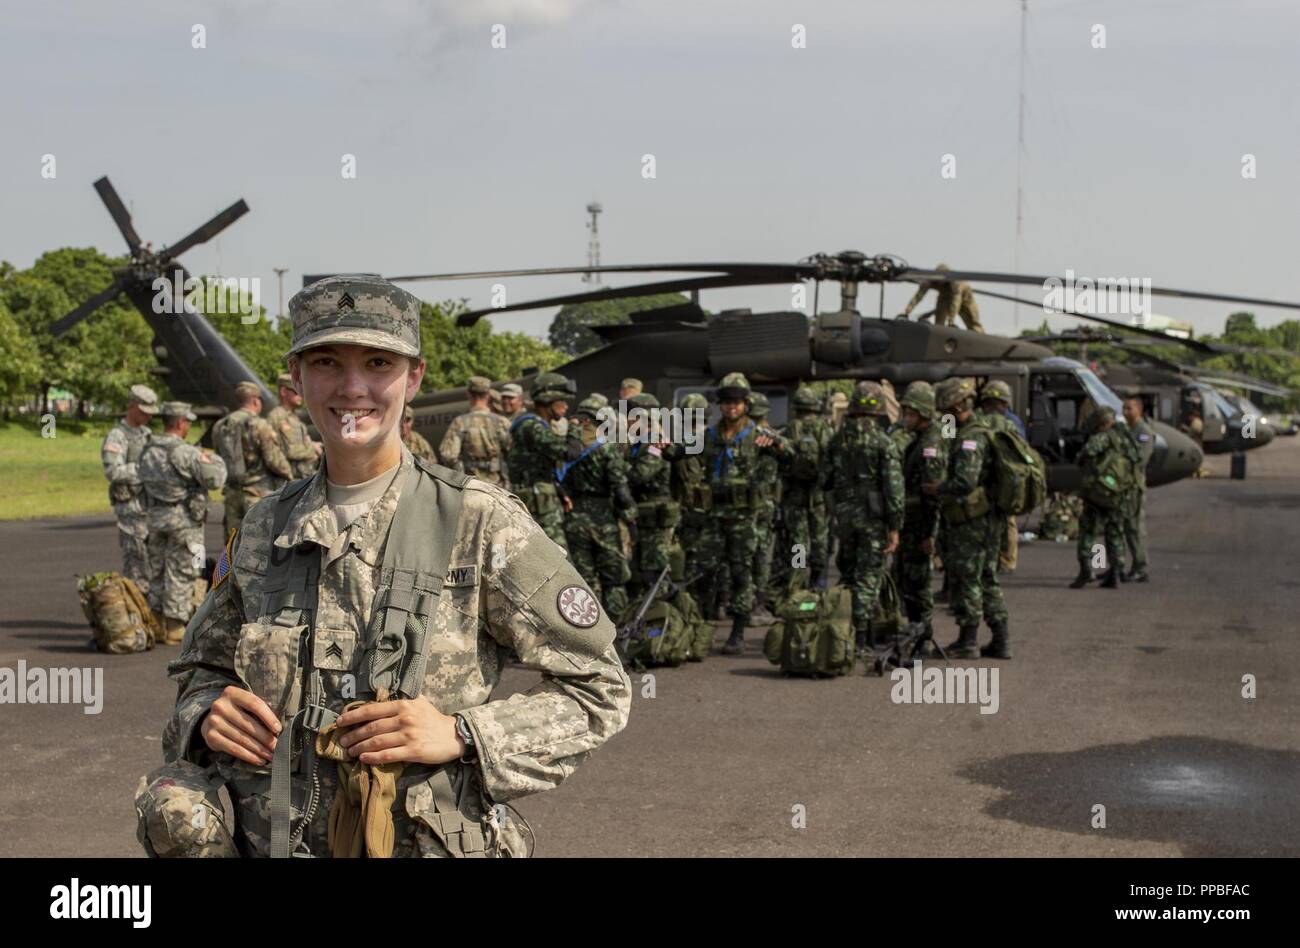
{"x": 118, "y": 613}
{"x": 1108, "y": 480}
{"x": 1019, "y": 474}
{"x": 228, "y": 439}
{"x": 806, "y": 460}
{"x": 665, "y": 637}
{"x": 480, "y": 446}
{"x": 813, "y": 633}
{"x": 888, "y": 622}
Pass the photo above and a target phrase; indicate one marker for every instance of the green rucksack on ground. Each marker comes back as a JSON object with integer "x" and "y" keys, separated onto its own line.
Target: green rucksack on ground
{"x": 1019, "y": 474}
{"x": 118, "y": 613}
{"x": 888, "y": 622}
{"x": 664, "y": 638}
{"x": 813, "y": 632}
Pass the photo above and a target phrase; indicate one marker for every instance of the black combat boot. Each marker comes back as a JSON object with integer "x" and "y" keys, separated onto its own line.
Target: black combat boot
{"x": 967, "y": 644}
{"x": 1110, "y": 579}
{"x": 1083, "y": 579}
{"x": 735, "y": 645}
{"x": 1140, "y": 576}
{"x": 924, "y": 647}
{"x": 1000, "y": 647}
{"x": 862, "y": 642}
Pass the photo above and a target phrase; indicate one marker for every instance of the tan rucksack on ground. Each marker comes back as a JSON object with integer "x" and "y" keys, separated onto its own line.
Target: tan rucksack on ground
{"x": 118, "y": 613}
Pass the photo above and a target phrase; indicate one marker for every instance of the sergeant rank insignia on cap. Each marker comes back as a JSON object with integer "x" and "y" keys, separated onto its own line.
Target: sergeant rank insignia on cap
{"x": 346, "y": 301}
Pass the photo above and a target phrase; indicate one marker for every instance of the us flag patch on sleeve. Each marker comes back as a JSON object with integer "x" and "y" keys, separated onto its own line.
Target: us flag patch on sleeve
{"x": 930, "y": 452}
{"x": 222, "y": 569}
{"x": 968, "y": 445}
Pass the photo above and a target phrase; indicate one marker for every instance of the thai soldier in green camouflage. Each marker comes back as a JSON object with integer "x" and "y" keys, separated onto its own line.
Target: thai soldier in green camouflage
{"x": 649, "y": 476}
{"x": 690, "y": 486}
{"x": 176, "y": 477}
{"x": 972, "y": 526}
{"x": 767, "y": 485}
{"x": 924, "y": 460}
{"x": 303, "y": 453}
{"x": 477, "y": 442}
{"x": 414, "y": 441}
{"x": 402, "y": 721}
{"x": 120, "y": 456}
{"x": 1108, "y": 523}
{"x": 595, "y": 482}
{"x": 993, "y": 413}
{"x": 954, "y": 299}
{"x": 535, "y": 450}
{"x": 258, "y": 456}
{"x": 1135, "y": 514}
{"x": 731, "y": 452}
{"x": 804, "y": 533}
{"x": 865, "y": 484}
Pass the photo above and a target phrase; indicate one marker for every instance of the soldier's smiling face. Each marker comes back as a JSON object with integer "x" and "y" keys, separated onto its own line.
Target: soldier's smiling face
{"x": 355, "y": 394}
{"x": 731, "y": 408}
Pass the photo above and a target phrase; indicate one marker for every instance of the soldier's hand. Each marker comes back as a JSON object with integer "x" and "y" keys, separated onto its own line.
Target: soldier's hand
{"x": 320, "y": 448}
{"x": 927, "y": 546}
{"x": 763, "y": 441}
{"x": 568, "y": 504}
{"x": 242, "y": 725}
{"x": 413, "y": 732}
{"x": 892, "y": 545}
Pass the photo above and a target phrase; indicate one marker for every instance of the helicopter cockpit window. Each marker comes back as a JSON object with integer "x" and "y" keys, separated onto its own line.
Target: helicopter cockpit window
{"x": 1099, "y": 393}
{"x": 1222, "y": 404}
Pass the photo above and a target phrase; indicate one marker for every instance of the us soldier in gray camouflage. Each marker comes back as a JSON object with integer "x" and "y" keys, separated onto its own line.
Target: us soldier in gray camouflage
{"x": 347, "y": 728}
{"x": 176, "y": 477}
{"x": 301, "y": 451}
{"x": 255, "y": 463}
{"x": 120, "y": 455}
{"x": 477, "y": 442}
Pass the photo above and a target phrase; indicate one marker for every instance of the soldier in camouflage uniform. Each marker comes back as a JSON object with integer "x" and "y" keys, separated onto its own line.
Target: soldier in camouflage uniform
{"x": 954, "y": 299}
{"x": 972, "y": 526}
{"x": 865, "y": 483}
{"x": 429, "y": 766}
{"x": 512, "y": 401}
{"x": 805, "y": 521}
{"x": 731, "y": 451}
{"x": 995, "y": 414}
{"x": 257, "y": 467}
{"x": 120, "y": 456}
{"x": 649, "y": 476}
{"x": 1108, "y": 523}
{"x": 690, "y": 487}
{"x": 414, "y": 441}
{"x": 1135, "y": 513}
{"x": 925, "y": 459}
{"x": 535, "y": 450}
{"x": 595, "y": 482}
{"x": 303, "y": 453}
{"x": 176, "y": 477}
{"x": 767, "y": 490}
{"x": 477, "y": 442}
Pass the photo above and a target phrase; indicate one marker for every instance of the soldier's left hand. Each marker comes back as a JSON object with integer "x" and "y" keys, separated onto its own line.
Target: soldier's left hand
{"x": 763, "y": 441}
{"x": 413, "y": 732}
{"x": 892, "y": 545}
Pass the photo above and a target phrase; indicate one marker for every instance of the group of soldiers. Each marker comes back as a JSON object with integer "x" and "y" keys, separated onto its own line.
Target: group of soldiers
{"x": 754, "y": 512}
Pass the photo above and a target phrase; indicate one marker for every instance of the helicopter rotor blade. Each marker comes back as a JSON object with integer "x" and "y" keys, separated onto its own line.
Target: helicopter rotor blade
{"x": 761, "y": 270}
{"x": 622, "y": 292}
{"x": 117, "y": 210}
{"x": 207, "y": 231}
{"x": 65, "y": 323}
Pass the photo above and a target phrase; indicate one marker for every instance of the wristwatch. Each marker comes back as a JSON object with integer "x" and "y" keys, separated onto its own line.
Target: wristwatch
{"x": 466, "y": 735}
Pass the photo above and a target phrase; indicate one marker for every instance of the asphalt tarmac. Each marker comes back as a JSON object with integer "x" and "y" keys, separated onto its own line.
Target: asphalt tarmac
{"x": 1127, "y": 699}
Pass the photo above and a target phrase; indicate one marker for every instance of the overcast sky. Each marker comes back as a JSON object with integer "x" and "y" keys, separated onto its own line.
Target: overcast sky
{"x": 470, "y": 157}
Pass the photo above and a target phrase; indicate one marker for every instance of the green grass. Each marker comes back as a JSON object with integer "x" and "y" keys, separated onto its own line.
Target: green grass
{"x": 52, "y": 477}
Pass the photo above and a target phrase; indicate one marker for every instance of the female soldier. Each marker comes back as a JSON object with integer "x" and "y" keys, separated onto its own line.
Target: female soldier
{"x": 336, "y": 679}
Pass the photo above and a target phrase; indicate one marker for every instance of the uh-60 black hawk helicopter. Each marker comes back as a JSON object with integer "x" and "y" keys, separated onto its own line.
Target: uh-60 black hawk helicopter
{"x": 679, "y": 349}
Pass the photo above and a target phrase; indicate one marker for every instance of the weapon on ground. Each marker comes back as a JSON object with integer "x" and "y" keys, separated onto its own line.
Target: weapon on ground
{"x": 905, "y": 649}
{"x": 637, "y": 623}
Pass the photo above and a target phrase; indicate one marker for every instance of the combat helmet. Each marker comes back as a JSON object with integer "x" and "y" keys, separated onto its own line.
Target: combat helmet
{"x": 695, "y": 400}
{"x": 759, "y": 406}
{"x": 920, "y": 398}
{"x": 868, "y": 398}
{"x": 552, "y": 387}
{"x": 805, "y": 399}
{"x": 952, "y": 392}
{"x": 734, "y": 386}
{"x": 645, "y": 400}
{"x": 996, "y": 390}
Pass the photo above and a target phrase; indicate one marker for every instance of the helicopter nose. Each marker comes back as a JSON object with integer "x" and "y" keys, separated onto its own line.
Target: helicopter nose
{"x": 1264, "y": 433}
{"x": 1176, "y": 456}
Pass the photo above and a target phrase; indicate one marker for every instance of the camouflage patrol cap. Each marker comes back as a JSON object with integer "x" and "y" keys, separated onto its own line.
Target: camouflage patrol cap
{"x": 407, "y": 414}
{"x": 285, "y": 379}
{"x": 248, "y": 390}
{"x": 996, "y": 390}
{"x": 734, "y": 386}
{"x": 952, "y": 392}
{"x": 177, "y": 410}
{"x": 597, "y": 399}
{"x": 144, "y": 398}
{"x": 591, "y": 407}
{"x": 633, "y": 384}
{"x": 643, "y": 400}
{"x": 512, "y": 390}
{"x": 359, "y": 309}
{"x": 695, "y": 400}
{"x": 868, "y": 398}
{"x": 552, "y": 386}
{"x": 759, "y": 406}
{"x": 806, "y": 399}
{"x": 478, "y": 385}
{"x": 920, "y": 398}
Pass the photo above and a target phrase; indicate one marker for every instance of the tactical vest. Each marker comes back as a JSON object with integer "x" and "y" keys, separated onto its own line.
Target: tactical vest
{"x": 416, "y": 555}
{"x": 729, "y": 464}
{"x": 228, "y": 436}
{"x": 479, "y": 448}
{"x": 120, "y": 493}
{"x": 169, "y": 493}
{"x": 859, "y": 467}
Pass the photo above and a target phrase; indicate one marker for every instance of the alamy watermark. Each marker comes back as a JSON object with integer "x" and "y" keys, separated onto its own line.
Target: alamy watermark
{"x": 53, "y": 686}
{"x": 1102, "y": 296}
{"x": 221, "y": 296}
{"x": 684, "y": 426}
{"x": 953, "y": 684}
